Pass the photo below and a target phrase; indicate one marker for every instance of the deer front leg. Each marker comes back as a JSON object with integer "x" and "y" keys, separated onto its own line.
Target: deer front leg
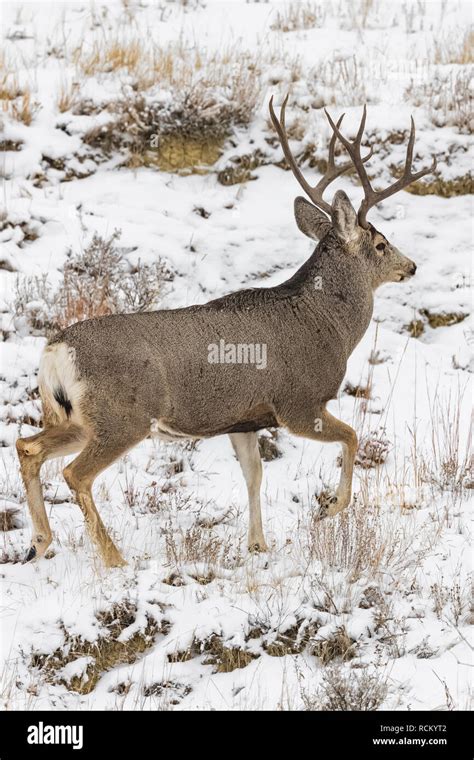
{"x": 325, "y": 427}
{"x": 333, "y": 429}
{"x": 247, "y": 452}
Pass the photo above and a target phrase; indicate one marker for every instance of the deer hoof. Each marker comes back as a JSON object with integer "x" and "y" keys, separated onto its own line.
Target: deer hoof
{"x": 30, "y": 555}
{"x": 256, "y": 547}
{"x": 328, "y": 505}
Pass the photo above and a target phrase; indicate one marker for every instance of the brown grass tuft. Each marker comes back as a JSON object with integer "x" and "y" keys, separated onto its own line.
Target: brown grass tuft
{"x": 268, "y": 447}
{"x": 10, "y": 520}
{"x": 114, "y": 55}
{"x": 358, "y": 391}
{"x": 453, "y": 49}
{"x": 67, "y": 97}
{"x": 105, "y": 653}
{"x": 298, "y": 16}
{"x": 337, "y": 646}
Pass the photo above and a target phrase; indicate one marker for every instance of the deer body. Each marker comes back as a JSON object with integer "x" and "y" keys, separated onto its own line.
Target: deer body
{"x": 157, "y": 365}
{"x": 106, "y": 383}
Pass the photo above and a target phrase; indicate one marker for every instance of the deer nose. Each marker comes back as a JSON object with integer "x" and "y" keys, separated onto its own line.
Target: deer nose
{"x": 413, "y": 269}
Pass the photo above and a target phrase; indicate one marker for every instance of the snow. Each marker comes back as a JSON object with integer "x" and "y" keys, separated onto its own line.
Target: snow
{"x": 183, "y": 529}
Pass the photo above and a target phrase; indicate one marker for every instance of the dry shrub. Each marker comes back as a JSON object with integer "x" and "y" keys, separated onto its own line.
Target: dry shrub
{"x": 337, "y": 646}
{"x": 99, "y": 282}
{"x": 34, "y": 304}
{"x": 10, "y": 519}
{"x": 171, "y": 691}
{"x": 442, "y": 595}
{"x": 240, "y": 169}
{"x": 447, "y": 95}
{"x": 445, "y": 188}
{"x": 9, "y": 85}
{"x": 359, "y": 540}
{"x": 448, "y": 464}
{"x": 347, "y": 690}
{"x": 96, "y": 282}
{"x": 102, "y": 655}
{"x": 443, "y": 318}
{"x": 372, "y": 450}
{"x": 115, "y": 54}
{"x": 268, "y": 447}
{"x": 21, "y": 230}
{"x": 341, "y": 80}
{"x": 185, "y": 132}
{"x": 358, "y": 391}
{"x": 453, "y": 49}
{"x": 277, "y": 643}
{"x": 224, "y": 659}
{"x": 181, "y": 105}
{"x": 416, "y": 328}
{"x": 16, "y": 100}
{"x": 298, "y": 16}
{"x": 13, "y": 145}
{"x": 202, "y": 546}
{"x": 67, "y": 97}
{"x": 9, "y": 88}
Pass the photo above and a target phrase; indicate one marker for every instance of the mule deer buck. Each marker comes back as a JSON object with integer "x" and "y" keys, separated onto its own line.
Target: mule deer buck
{"x": 103, "y": 381}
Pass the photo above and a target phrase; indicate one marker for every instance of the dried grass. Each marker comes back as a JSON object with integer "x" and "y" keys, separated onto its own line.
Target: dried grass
{"x": 347, "y": 690}
{"x": 68, "y": 97}
{"x": 96, "y": 282}
{"x": 268, "y": 447}
{"x": 115, "y": 54}
{"x": 23, "y": 108}
{"x": 454, "y": 48}
{"x": 448, "y": 463}
{"x": 181, "y": 104}
{"x": 447, "y": 95}
{"x": 359, "y": 541}
{"x": 298, "y": 16}
{"x": 199, "y": 546}
{"x": 101, "y": 655}
{"x": 10, "y": 520}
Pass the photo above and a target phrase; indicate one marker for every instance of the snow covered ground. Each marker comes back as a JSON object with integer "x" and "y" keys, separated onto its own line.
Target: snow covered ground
{"x": 376, "y": 599}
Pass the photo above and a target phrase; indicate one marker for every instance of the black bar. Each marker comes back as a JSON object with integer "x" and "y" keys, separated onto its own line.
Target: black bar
{"x": 133, "y": 735}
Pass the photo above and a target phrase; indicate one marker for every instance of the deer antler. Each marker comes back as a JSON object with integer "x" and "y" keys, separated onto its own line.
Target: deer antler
{"x": 332, "y": 172}
{"x": 375, "y": 196}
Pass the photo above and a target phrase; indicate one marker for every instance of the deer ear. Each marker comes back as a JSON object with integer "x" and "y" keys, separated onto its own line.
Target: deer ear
{"x": 344, "y": 218}
{"x": 310, "y": 220}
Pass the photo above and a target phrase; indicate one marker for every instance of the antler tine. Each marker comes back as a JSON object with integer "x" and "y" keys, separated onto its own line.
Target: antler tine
{"x": 411, "y": 143}
{"x": 371, "y": 196}
{"x": 280, "y": 128}
{"x": 353, "y": 148}
{"x": 332, "y": 144}
{"x": 332, "y": 172}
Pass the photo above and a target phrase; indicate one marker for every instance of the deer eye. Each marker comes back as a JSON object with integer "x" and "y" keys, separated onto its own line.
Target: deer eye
{"x": 380, "y": 247}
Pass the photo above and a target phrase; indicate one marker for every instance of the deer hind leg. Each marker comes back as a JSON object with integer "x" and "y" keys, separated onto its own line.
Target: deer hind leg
{"x": 80, "y": 474}
{"x": 247, "y": 452}
{"x": 33, "y": 451}
{"x": 327, "y": 428}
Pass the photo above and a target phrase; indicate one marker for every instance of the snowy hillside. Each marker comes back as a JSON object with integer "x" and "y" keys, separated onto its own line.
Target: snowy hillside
{"x": 151, "y": 119}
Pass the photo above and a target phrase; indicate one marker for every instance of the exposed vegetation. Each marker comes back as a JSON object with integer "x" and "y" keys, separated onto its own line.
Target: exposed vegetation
{"x": 95, "y": 658}
{"x": 96, "y": 282}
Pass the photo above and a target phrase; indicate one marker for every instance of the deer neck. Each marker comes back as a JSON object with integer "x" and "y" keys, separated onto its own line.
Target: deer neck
{"x": 335, "y": 288}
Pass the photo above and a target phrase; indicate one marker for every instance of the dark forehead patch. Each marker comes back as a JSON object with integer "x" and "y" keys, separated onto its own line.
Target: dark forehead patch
{"x": 376, "y": 234}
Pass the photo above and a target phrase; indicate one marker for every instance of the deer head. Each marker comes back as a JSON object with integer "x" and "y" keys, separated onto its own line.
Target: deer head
{"x": 357, "y": 236}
